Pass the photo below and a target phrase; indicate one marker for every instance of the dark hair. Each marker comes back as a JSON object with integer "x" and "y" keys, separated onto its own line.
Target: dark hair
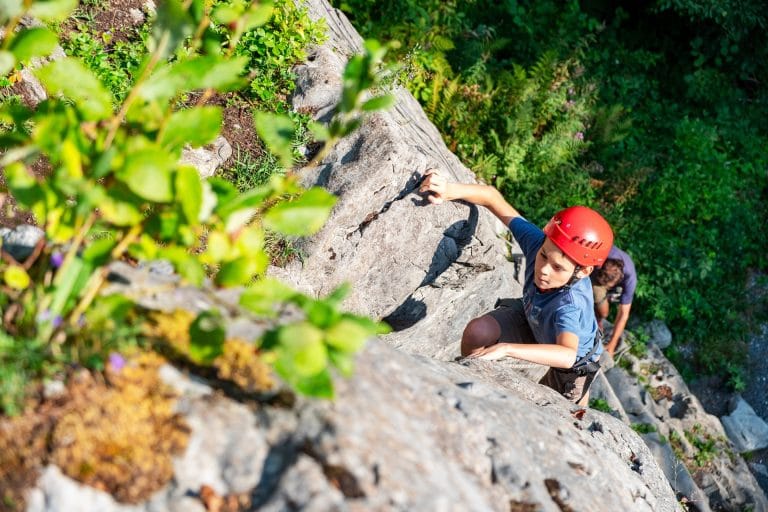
{"x": 612, "y": 271}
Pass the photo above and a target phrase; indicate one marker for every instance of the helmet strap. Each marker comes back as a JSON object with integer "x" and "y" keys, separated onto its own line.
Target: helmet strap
{"x": 574, "y": 276}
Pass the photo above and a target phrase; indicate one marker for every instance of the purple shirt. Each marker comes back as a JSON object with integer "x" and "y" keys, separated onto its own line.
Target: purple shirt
{"x": 629, "y": 282}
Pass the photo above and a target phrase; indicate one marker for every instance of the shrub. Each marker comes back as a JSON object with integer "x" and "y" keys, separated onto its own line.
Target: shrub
{"x": 115, "y": 189}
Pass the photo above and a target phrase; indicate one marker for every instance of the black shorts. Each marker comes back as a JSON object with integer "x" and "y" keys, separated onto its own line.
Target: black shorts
{"x": 510, "y": 315}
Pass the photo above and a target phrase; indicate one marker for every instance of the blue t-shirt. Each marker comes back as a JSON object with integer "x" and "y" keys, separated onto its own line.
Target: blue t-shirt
{"x": 629, "y": 281}
{"x": 567, "y": 309}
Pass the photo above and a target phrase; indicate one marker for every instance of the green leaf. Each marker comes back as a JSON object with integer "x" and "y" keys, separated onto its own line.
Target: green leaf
{"x": 343, "y": 361}
{"x": 206, "y": 337}
{"x": 165, "y": 225}
{"x": 250, "y": 200}
{"x": 27, "y": 191}
{"x": 300, "y": 350}
{"x": 240, "y": 270}
{"x": 319, "y": 131}
{"x": 337, "y": 295}
{"x": 72, "y": 79}
{"x": 378, "y": 103}
{"x": 10, "y": 9}
{"x": 349, "y": 334}
{"x": 108, "y": 310}
{"x": 210, "y": 71}
{"x": 250, "y": 240}
{"x": 145, "y": 249}
{"x": 237, "y": 220}
{"x": 320, "y": 313}
{"x": 303, "y": 216}
{"x": 187, "y": 265}
{"x": 99, "y": 251}
{"x": 218, "y": 248}
{"x": 147, "y": 173}
{"x": 258, "y": 14}
{"x": 208, "y": 202}
{"x": 173, "y": 24}
{"x": 197, "y": 11}
{"x": 196, "y": 127}
{"x": 119, "y": 207}
{"x": 16, "y": 277}
{"x": 317, "y": 386}
{"x": 276, "y": 130}
{"x": 374, "y": 49}
{"x": 224, "y": 190}
{"x": 103, "y": 163}
{"x": 189, "y": 190}
{"x": 33, "y": 42}
{"x": 68, "y": 283}
{"x": 52, "y": 10}
{"x": 265, "y": 295}
{"x": 225, "y": 14}
{"x": 7, "y": 62}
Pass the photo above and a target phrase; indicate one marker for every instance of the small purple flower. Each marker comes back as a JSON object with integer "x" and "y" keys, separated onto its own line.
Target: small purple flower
{"x": 116, "y": 361}
{"x": 57, "y": 258}
{"x": 57, "y": 321}
{"x": 43, "y": 316}
{"x": 579, "y": 136}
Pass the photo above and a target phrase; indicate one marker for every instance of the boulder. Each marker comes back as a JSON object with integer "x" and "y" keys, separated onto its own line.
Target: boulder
{"x": 746, "y": 430}
{"x": 690, "y": 445}
{"x": 405, "y": 433}
{"x": 20, "y": 241}
{"x": 658, "y": 333}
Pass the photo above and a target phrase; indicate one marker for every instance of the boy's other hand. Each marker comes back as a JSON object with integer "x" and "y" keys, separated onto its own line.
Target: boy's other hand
{"x": 491, "y": 352}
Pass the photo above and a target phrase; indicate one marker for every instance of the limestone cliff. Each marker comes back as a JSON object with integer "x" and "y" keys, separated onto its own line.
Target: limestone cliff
{"x": 413, "y": 429}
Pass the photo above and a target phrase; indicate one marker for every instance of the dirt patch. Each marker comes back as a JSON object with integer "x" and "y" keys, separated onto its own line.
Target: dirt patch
{"x": 238, "y": 127}
{"x": 117, "y": 18}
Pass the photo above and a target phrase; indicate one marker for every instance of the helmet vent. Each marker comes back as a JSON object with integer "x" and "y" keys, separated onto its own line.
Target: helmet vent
{"x": 590, "y": 244}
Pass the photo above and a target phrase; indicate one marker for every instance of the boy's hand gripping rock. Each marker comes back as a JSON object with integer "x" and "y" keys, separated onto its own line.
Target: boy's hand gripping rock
{"x": 435, "y": 186}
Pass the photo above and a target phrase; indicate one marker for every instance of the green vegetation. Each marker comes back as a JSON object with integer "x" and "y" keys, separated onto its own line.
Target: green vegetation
{"x": 643, "y": 428}
{"x": 654, "y": 113}
{"x": 705, "y": 447}
{"x": 599, "y": 404}
{"x": 97, "y": 165}
{"x": 115, "y": 63}
{"x": 247, "y": 172}
{"x": 273, "y": 49}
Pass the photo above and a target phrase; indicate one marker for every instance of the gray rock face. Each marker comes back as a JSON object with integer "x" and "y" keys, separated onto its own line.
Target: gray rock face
{"x": 21, "y": 241}
{"x": 405, "y": 433}
{"x": 427, "y": 270}
{"x": 659, "y": 333}
{"x": 747, "y": 430}
{"x": 654, "y": 397}
{"x": 207, "y": 159}
{"x": 412, "y": 429}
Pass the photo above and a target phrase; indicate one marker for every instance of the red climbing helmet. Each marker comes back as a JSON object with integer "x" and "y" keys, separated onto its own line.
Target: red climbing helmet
{"x": 582, "y": 234}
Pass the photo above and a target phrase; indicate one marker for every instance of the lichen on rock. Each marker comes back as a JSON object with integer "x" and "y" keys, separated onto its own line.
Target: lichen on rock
{"x": 120, "y": 435}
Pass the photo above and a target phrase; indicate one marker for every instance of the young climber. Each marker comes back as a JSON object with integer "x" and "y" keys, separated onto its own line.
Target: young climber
{"x": 554, "y": 322}
{"x": 614, "y": 282}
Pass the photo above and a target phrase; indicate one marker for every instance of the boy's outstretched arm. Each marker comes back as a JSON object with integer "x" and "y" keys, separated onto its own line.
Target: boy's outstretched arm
{"x": 561, "y": 354}
{"x": 438, "y": 189}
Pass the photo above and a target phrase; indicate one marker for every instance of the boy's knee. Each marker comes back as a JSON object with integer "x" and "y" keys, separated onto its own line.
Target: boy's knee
{"x": 479, "y": 332}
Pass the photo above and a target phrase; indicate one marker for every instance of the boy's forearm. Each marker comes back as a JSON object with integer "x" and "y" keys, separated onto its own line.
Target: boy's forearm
{"x": 553, "y": 355}
{"x": 482, "y": 195}
{"x": 618, "y": 327}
